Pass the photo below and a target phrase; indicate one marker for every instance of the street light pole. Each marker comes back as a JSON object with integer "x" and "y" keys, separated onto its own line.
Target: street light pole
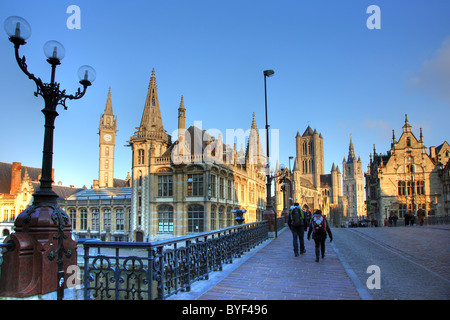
{"x": 40, "y": 228}
{"x": 269, "y": 212}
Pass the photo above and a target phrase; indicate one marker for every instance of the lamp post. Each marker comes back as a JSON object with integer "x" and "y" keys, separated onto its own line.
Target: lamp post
{"x": 269, "y": 213}
{"x": 40, "y": 228}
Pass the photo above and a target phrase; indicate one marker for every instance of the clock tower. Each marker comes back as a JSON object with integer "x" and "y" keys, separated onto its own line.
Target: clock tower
{"x": 107, "y": 132}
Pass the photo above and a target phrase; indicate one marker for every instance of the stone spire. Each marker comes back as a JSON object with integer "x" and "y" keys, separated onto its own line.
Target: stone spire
{"x": 151, "y": 117}
{"x": 108, "y": 106}
{"x": 351, "y": 151}
{"x": 254, "y": 153}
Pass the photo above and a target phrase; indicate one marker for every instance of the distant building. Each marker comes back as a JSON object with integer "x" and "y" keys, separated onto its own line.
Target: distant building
{"x": 102, "y": 213}
{"x": 17, "y": 185}
{"x": 407, "y": 177}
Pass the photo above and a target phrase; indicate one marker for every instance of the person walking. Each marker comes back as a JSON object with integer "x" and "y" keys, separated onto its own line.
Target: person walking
{"x": 297, "y": 222}
{"x": 319, "y": 228}
{"x": 421, "y": 215}
{"x": 412, "y": 218}
{"x": 308, "y": 215}
{"x": 407, "y": 217}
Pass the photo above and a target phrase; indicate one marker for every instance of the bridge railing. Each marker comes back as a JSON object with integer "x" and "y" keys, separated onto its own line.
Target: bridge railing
{"x": 157, "y": 270}
{"x": 433, "y": 220}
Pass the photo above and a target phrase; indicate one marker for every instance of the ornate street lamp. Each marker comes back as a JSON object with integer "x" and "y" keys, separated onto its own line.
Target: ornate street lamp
{"x": 35, "y": 225}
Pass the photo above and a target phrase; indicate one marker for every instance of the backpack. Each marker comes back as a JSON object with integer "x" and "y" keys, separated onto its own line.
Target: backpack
{"x": 318, "y": 223}
{"x": 297, "y": 217}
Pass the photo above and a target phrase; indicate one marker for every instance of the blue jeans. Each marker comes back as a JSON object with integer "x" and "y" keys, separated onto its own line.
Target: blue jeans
{"x": 297, "y": 234}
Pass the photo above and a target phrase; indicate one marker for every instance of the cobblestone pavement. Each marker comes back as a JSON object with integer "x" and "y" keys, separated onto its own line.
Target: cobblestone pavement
{"x": 274, "y": 273}
{"x": 414, "y": 261}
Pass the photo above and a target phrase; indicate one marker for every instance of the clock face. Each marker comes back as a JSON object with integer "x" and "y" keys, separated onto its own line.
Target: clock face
{"x": 107, "y": 137}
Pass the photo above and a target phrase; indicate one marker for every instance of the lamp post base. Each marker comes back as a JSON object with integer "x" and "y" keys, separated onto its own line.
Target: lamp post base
{"x": 27, "y": 270}
{"x": 269, "y": 214}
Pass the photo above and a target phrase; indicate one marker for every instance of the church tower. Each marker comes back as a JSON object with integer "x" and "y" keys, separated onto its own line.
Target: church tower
{"x": 353, "y": 183}
{"x": 309, "y": 160}
{"x": 107, "y": 132}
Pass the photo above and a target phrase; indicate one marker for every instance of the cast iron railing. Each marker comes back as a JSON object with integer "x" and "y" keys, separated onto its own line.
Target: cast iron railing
{"x": 432, "y": 220}
{"x": 157, "y": 270}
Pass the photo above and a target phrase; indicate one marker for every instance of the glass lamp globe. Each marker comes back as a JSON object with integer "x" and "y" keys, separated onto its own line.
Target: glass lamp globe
{"x": 86, "y": 74}
{"x": 18, "y": 28}
{"x": 54, "y": 50}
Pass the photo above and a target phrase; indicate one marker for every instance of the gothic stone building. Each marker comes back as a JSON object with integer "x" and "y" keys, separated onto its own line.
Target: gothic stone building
{"x": 406, "y": 177}
{"x": 310, "y": 185}
{"x": 190, "y": 185}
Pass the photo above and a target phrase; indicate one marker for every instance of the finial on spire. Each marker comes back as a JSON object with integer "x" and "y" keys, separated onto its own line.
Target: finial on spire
{"x": 253, "y": 121}
{"x": 108, "y": 106}
{"x": 406, "y": 127}
{"x": 182, "y": 103}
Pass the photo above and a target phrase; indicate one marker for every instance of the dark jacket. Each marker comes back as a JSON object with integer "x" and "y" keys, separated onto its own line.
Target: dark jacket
{"x": 319, "y": 235}
{"x": 305, "y": 219}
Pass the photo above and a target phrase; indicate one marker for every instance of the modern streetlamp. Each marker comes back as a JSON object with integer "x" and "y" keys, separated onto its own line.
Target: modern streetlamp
{"x": 36, "y": 224}
{"x": 269, "y": 212}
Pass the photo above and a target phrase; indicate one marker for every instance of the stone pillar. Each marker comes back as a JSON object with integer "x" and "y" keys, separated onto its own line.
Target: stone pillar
{"x": 27, "y": 270}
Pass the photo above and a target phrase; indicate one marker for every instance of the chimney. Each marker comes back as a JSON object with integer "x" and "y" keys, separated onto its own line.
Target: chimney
{"x": 433, "y": 153}
{"x": 16, "y": 177}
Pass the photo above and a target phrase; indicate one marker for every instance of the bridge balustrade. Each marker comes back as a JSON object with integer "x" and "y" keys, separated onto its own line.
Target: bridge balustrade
{"x": 159, "y": 269}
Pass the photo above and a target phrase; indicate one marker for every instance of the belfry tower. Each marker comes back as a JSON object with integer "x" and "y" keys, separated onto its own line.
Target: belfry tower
{"x": 353, "y": 183}
{"x": 107, "y": 132}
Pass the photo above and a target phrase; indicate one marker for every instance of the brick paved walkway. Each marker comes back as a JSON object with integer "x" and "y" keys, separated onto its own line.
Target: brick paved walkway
{"x": 274, "y": 273}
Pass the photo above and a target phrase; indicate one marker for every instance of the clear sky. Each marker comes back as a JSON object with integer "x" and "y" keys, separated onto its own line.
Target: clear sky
{"x": 331, "y": 71}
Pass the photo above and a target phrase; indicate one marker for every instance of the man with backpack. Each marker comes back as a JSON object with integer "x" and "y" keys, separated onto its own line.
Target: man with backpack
{"x": 319, "y": 229}
{"x": 298, "y": 223}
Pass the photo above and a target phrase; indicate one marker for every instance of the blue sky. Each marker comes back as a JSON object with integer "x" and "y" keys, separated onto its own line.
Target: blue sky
{"x": 331, "y": 71}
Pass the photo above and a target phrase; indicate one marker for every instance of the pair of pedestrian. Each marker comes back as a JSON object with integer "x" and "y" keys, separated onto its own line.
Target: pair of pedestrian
{"x": 318, "y": 227}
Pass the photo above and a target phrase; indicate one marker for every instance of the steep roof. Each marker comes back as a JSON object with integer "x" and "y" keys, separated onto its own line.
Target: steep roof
{"x": 5, "y": 175}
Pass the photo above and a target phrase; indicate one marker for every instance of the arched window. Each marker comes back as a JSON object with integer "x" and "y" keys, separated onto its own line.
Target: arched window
{"x": 196, "y": 218}
{"x": 83, "y": 219}
{"x": 107, "y": 220}
{"x": 73, "y": 218}
{"x": 95, "y": 220}
{"x": 165, "y": 219}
